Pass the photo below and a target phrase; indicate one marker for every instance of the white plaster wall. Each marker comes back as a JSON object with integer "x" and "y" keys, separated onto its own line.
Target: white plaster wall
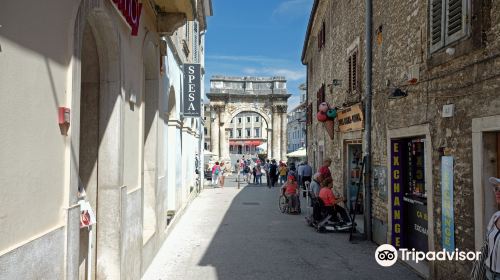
{"x": 34, "y": 64}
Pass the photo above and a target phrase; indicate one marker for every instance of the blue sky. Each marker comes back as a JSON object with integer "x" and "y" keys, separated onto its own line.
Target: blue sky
{"x": 258, "y": 38}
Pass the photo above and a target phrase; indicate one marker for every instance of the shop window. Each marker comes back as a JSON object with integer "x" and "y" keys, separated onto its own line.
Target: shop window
{"x": 409, "y": 198}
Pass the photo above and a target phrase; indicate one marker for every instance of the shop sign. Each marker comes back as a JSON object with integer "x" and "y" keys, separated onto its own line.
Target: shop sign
{"x": 397, "y": 193}
{"x": 131, "y": 10}
{"x": 351, "y": 119}
{"x": 447, "y": 218}
{"x": 192, "y": 90}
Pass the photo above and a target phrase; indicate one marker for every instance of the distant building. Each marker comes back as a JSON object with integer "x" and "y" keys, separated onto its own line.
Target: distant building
{"x": 296, "y": 126}
{"x": 246, "y": 112}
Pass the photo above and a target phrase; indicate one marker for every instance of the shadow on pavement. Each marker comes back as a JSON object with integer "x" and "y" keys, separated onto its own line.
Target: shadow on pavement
{"x": 256, "y": 241}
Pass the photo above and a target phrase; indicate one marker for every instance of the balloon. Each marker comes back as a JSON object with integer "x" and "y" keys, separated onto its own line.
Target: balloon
{"x": 322, "y": 117}
{"x": 331, "y": 113}
{"x": 323, "y": 107}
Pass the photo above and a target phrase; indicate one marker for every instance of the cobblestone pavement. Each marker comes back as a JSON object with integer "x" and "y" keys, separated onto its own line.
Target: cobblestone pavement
{"x": 230, "y": 233}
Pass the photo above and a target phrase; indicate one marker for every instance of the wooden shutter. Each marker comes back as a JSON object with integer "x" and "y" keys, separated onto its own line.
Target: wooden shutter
{"x": 349, "y": 77}
{"x": 437, "y": 15}
{"x": 355, "y": 73}
{"x": 456, "y": 20}
{"x": 309, "y": 113}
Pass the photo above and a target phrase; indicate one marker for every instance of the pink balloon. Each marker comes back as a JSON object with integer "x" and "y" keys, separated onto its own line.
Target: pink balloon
{"x": 323, "y": 107}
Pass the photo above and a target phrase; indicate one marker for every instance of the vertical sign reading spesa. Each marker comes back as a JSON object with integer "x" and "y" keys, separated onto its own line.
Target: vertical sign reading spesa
{"x": 397, "y": 193}
{"x": 192, "y": 90}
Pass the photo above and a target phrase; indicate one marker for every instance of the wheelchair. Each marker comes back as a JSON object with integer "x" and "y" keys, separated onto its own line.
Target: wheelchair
{"x": 323, "y": 221}
{"x": 284, "y": 205}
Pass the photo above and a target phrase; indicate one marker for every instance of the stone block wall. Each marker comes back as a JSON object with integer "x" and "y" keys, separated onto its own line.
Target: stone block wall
{"x": 469, "y": 79}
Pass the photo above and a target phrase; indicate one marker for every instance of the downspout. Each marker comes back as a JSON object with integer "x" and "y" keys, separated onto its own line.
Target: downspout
{"x": 368, "y": 121}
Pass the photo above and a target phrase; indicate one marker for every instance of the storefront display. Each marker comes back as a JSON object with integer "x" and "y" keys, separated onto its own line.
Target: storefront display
{"x": 409, "y": 198}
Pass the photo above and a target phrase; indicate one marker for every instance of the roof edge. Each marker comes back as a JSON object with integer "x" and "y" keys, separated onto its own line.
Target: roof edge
{"x": 308, "y": 32}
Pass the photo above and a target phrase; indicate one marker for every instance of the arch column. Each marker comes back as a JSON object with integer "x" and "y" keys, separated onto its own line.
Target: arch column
{"x": 215, "y": 130}
{"x": 276, "y": 134}
{"x": 284, "y": 134}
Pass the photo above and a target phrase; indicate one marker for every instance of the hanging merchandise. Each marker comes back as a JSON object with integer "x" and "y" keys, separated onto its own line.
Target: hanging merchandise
{"x": 323, "y": 107}
{"x": 321, "y": 116}
{"x": 331, "y": 113}
{"x": 330, "y": 125}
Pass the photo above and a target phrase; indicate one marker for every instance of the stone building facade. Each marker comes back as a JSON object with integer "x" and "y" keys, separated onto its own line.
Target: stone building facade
{"x": 231, "y": 96}
{"x": 435, "y": 118}
{"x": 100, "y": 85}
{"x": 296, "y": 125}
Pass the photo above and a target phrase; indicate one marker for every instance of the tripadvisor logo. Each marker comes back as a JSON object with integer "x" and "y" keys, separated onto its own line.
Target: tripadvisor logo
{"x": 386, "y": 255}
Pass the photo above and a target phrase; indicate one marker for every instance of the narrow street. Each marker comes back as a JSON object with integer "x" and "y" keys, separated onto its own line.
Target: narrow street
{"x": 230, "y": 233}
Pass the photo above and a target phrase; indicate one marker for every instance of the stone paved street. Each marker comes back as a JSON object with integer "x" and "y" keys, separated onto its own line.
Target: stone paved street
{"x": 232, "y": 233}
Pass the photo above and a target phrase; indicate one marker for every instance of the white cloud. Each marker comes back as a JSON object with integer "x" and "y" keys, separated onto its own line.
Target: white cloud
{"x": 293, "y": 102}
{"x": 290, "y": 75}
{"x": 247, "y": 58}
{"x": 292, "y": 8}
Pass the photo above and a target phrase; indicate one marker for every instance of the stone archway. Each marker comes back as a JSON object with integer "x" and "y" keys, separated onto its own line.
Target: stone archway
{"x": 265, "y": 96}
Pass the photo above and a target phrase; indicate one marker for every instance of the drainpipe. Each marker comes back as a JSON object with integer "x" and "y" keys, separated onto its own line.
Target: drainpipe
{"x": 368, "y": 121}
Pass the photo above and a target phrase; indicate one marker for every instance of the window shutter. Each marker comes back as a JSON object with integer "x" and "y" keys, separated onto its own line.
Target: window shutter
{"x": 349, "y": 79}
{"x": 456, "y": 20}
{"x": 437, "y": 14}
{"x": 355, "y": 72}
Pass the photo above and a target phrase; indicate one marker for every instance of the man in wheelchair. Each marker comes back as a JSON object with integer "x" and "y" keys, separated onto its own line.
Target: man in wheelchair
{"x": 326, "y": 210}
{"x": 290, "y": 190}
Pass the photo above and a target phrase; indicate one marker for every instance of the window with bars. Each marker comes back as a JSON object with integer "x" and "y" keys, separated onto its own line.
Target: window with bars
{"x": 322, "y": 36}
{"x": 353, "y": 72}
{"x": 449, "y": 20}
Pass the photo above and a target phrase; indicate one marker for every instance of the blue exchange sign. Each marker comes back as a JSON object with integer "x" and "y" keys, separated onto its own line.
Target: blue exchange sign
{"x": 192, "y": 91}
{"x": 447, "y": 218}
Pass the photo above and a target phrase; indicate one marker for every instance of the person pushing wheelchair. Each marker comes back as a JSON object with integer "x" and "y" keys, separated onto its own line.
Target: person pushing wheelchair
{"x": 290, "y": 190}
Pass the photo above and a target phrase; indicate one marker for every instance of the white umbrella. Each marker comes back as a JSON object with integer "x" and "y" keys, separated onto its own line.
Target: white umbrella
{"x": 208, "y": 153}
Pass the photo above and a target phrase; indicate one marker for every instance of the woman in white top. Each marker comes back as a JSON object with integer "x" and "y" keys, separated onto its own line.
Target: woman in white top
{"x": 493, "y": 236}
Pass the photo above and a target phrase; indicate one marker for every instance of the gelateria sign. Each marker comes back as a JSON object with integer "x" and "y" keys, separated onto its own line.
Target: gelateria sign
{"x": 131, "y": 11}
{"x": 351, "y": 118}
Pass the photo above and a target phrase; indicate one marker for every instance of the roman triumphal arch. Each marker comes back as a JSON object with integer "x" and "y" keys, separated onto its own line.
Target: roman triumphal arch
{"x": 245, "y": 112}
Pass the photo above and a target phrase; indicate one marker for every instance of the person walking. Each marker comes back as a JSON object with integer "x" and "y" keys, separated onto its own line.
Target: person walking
{"x": 254, "y": 172}
{"x": 215, "y": 173}
{"x": 306, "y": 175}
{"x": 237, "y": 168}
{"x": 282, "y": 171}
{"x": 225, "y": 172}
{"x": 266, "y": 170}
{"x": 258, "y": 174}
{"x": 273, "y": 173}
{"x": 221, "y": 174}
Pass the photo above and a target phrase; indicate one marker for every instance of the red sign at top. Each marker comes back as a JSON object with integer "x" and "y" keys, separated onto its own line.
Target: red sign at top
{"x": 131, "y": 10}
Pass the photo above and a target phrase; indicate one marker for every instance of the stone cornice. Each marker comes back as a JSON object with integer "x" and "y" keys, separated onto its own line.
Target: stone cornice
{"x": 176, "y": 123}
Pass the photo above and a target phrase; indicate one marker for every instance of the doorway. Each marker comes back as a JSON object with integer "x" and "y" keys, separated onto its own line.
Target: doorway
{"x": 89, "y": 145}
{"x": 354, "y": 194}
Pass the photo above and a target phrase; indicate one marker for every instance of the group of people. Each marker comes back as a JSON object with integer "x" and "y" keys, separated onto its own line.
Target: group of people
{"x": 250, "y": 171}
{"x": 321, "y": 187}
{"x": 219, "y": 172}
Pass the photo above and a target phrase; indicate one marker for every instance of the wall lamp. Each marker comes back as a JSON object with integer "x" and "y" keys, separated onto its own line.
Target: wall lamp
{"x": 397, "y": 93}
